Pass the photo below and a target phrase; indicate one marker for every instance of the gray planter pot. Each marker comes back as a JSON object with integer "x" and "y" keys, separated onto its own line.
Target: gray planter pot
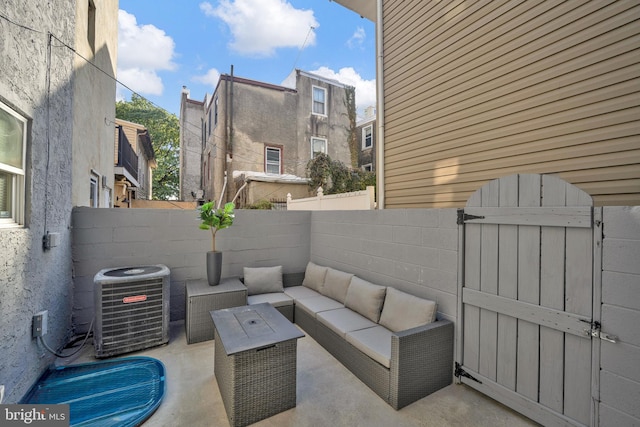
{"x": 214, "y": 267}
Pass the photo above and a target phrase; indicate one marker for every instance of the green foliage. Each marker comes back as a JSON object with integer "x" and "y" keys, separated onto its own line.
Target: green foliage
{"x": 216, "y": 219}
{"x": 164, "y": 130}
{"x": 261, "y": 204}
{"x": 352, "y": 137}
{"x": 335, "y": 177}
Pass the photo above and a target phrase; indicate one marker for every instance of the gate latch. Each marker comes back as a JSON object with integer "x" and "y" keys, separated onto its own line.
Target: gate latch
{"x": 595, "y": 332}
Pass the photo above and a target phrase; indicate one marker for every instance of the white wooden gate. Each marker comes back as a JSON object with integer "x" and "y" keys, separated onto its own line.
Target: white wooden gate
{"x": 527, "y": 292}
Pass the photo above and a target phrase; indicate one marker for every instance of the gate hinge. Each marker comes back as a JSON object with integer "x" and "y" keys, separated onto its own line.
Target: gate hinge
{"x": 595, "y": 332}
{"x": 459, "y": 372}
{"x": 462, "y": 217}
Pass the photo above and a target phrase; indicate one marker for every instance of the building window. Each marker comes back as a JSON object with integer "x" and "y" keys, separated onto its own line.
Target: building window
{"x": 215, "y": 115}
{"x": 368, "y": 167}
{"x": 93, "y": 191}
{"x": 367, "y": 137}
{"x": 209, "y": 122}
{"x": 319, "y": 101}
{"x": 273, "y": 160}
{"x": 318, "y": 145}
{"x": 13, "y": 141}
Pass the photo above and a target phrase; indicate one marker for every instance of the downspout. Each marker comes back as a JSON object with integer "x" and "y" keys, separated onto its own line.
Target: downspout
{"x": 380, "y": 100}
{"x": 229, "y": 157}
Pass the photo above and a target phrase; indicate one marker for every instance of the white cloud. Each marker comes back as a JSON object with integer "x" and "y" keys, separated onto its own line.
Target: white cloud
{"x": 143, "y": 50}
{"x": 141, "y": 81}
{"x": 259, "y": 27}
{"x": 365, "y": 89}
{"x": 357, "y": 39}
{"x": 210, "y": 78}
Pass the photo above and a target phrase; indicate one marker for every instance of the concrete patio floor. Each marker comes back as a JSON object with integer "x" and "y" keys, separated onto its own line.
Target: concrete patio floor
{"x": 327, "y": 394}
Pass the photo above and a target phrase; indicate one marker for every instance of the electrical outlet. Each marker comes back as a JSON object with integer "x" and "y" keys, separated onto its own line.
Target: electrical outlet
{"x": 40, "y": 321}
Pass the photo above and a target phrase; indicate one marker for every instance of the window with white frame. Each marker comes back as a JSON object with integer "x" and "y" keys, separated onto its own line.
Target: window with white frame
{"x": 319, "y": 101}
{"x": 318, "y": 145}
{"x": 273, "y": 160}
{"x": 368, "y": 167}
{"x": 367, "y": 137}
{"x": 13, "y": 142}
{"x": 93, "y": 191}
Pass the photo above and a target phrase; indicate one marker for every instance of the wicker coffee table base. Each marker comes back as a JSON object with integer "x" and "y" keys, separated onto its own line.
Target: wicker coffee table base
{"x": 256, "y": 384}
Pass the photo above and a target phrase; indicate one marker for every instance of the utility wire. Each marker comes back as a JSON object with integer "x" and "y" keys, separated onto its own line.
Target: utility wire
{"x": 63, "y": 44}
{"x": 311, "y": 28}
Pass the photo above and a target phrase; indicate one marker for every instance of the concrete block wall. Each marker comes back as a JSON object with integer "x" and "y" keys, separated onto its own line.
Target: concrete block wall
{"x": 620, "y": 362}
{"x": 109, "y": 238}
{"x": 414, "y": 250}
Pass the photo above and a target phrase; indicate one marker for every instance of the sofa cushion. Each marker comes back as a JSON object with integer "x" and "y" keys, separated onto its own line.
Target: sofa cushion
{"x": 365, "y": 298}
{"x": 404, "y": 311}
{"x": 314, "y": 305}
{"x": 314, "y": 276}
{"x": 336, "y": 284}
{"x": 343, "y": 320}
{"x": 276, "y": 299}
{"x": 297, "y": 292}
{"x": 263, "y": 280}
{"x": 374, "y": 342}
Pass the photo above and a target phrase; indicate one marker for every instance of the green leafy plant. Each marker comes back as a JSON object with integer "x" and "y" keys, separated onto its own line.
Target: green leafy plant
{"x": 335, "y": 177}
{"x": 215, "y": 219}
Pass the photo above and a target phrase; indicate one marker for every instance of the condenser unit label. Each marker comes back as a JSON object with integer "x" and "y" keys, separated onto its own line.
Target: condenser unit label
{"x": 137, "y": 298}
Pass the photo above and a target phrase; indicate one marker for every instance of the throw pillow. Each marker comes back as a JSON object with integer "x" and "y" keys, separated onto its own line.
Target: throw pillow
{"x": 314, "y": 276}
{"x": 336, "y": 284}
{"x": 263, "y": 280}
{"x": 404, "y": 311}
{"x": 365, "y": 298}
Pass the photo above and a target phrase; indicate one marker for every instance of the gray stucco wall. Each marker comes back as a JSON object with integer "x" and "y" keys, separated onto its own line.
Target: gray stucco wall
{"x": 108, "y": 238}
{"x": 190, "y": 147}
{"x": 620, "y": 362}
{"x": 32, "y": 279}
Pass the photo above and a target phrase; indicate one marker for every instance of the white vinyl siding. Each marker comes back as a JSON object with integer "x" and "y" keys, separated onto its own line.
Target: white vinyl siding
{"x": 492, "y": 89}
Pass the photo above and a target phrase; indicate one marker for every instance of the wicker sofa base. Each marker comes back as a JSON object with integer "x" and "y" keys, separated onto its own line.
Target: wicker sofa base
{"x": 421, "y": 360}
{"x": 370, "y": 372}
{"x": 286, "y": 311}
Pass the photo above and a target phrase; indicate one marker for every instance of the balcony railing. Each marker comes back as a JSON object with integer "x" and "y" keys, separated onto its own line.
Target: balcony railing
{"x": 126, "y": 156}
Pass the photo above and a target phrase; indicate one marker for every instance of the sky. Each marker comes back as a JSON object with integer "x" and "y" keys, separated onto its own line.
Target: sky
{"x": 164, "y": 45}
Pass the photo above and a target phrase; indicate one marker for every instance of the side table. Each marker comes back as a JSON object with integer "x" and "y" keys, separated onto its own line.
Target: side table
{"x": 255, "y": 362}
{"x": 202, "y": 298}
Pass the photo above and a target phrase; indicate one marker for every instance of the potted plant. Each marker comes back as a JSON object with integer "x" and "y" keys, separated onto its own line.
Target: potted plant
{"x": 215, "y": 219}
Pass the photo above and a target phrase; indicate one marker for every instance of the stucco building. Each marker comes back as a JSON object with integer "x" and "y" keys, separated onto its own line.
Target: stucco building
{"x": 56, "y": 124}
{"x": 249, "y": 128}
{"x": 366, "y": 136}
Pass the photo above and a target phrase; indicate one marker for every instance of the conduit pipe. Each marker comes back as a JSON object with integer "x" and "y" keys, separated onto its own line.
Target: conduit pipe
{"x": 380, "y": 108}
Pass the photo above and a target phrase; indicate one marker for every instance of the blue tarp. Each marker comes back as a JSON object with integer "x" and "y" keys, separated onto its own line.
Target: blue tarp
{"x": 119, "y": 392}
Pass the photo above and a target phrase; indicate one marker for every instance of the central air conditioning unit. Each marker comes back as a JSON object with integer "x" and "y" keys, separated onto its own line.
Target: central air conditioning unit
{"x": 132, "y": 309}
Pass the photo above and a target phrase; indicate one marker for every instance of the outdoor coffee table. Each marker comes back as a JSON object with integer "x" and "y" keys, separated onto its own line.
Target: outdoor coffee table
{"x": 255, "y": 362}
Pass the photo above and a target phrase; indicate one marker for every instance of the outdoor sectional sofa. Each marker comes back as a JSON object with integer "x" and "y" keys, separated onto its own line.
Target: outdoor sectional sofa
{"x": 392, "y": 341}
